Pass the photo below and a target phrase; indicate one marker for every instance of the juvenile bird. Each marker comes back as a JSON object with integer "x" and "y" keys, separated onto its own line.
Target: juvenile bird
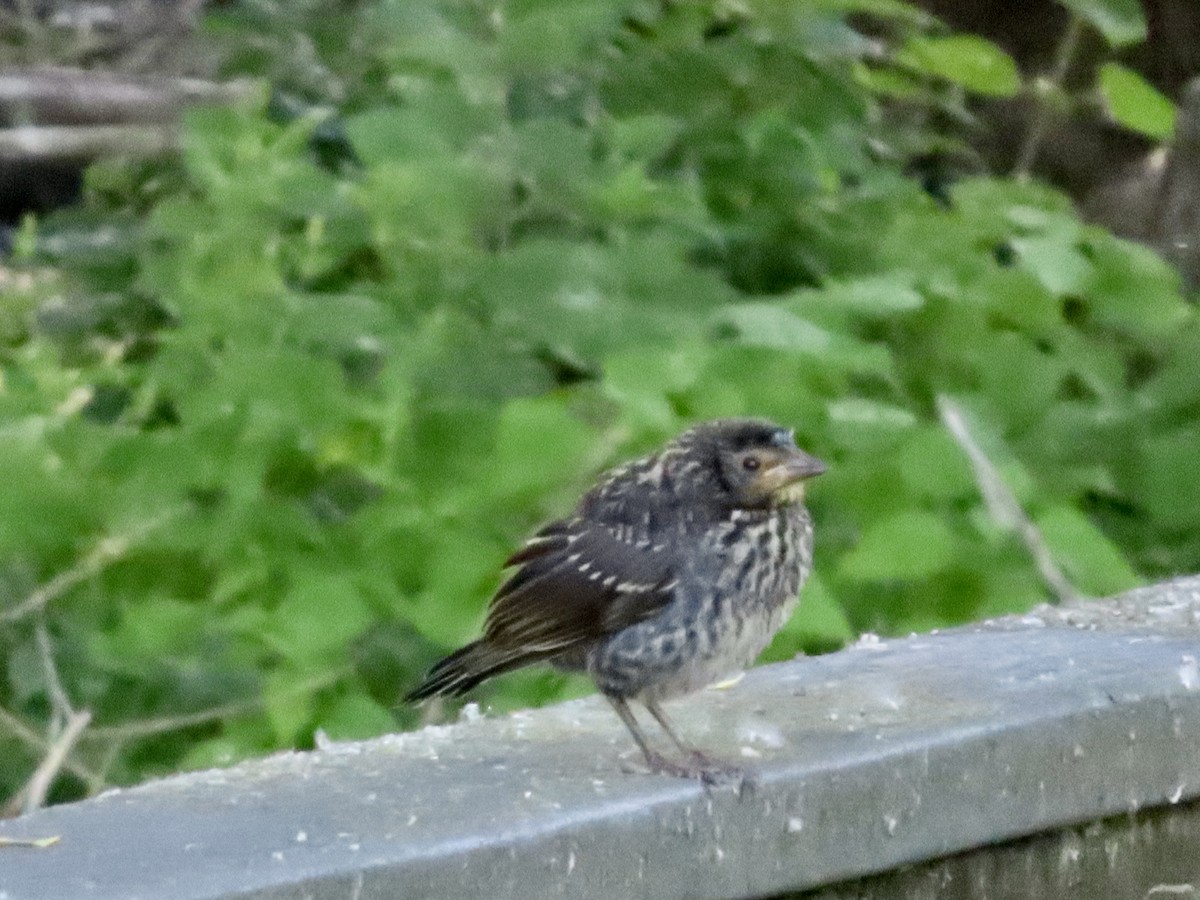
{"x": 673, "y": 572}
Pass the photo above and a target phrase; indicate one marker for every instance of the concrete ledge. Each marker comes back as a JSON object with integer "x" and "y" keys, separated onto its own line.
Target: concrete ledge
{"x": 1151, "y": 854}
{"x": 889, "y": 754}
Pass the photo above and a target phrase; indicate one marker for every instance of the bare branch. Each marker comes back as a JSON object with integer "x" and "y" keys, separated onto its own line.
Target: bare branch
{"x": 85, "y": 141}
{"x": 108, "y": 758}
{"x": 163, "y": 724}
{"x": 150, "y": 727}
{"x": 57, "y": 96}
{"x": 1040, "y": 119}
{"x": 54, "y": 686}
{"x": 1002, "y": 505}
{"x": 55, "y": 759}
{"x": 106, "y": 551}
{"x": 39, "y": 745}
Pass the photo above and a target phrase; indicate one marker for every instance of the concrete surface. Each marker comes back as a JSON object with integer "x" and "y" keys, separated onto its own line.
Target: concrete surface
{"x": 888, "y": 754}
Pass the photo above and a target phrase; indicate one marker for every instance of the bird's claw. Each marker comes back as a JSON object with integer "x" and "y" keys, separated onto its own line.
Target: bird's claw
{"x": 705, "y": 769}
{"x": 704, "y": 761}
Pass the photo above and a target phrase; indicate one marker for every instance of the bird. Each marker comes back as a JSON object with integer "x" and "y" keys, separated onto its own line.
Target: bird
{"x": 673, "y": 572}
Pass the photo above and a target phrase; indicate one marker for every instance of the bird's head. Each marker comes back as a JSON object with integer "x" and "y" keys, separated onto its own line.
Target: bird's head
{"x": 754, "y": 463}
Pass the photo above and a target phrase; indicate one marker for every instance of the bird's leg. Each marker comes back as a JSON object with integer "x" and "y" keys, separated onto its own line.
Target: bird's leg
{"x": 655, "y": 760}
{"x": 698, "y": 765}
{"x": 703, "y": 765}
{"x": 661, "y": 718}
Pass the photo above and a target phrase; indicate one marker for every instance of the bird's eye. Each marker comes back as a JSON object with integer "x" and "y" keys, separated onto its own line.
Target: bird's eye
{"x": 751, "y": 463}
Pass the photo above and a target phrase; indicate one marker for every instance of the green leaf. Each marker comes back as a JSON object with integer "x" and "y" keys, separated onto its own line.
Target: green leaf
{"x": 877, "y": 295}
{"x": 770, "y": 325}
{"x": 645, "y": 137}
{"x": 319, "y": 616}
{"x": 895, "y": 10}
{"x": 151, "y": 630}
{"x": 354, "y": 717}
{"x": 1013, "y": 588}
{"x": 1120, "y": 21}
{"x": 164, "y": 627}
{"x": 539, "y": 445}
{"x": 868, "y": 425}
{"x": 548, "y": 36}
{"x": 906, "y": 546}
{"x": 435, "y": 123}
{"x": 642, "y": 381}
{"x": 459, "y": 570}
{"x": 1136, "y": 103}
{"x": 632, "y": 196}
{"x": 1017, "y": 375}
{"x": 1132, "y": 288}
{"x": 971, "y": 62}
{"x": 1176, "y": 383}
{"x": 889, "y": 82}
{"x": 1089, "y": 559}
{"x": 383, "y": 134}
{"x": 215, "y": 753}
{"x": 1167, "y": 478}
{"x": 1017, "y": 296}
{"x": 288, "y": 705}
{"x": 587, "y": 300}
{"x": 1057, "y": 264}
{"x": 933, "y": 466}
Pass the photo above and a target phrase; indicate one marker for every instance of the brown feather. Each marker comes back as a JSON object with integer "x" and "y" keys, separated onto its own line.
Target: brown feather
{"x": 577, "y": 586}
{"x": 575, "y": 582}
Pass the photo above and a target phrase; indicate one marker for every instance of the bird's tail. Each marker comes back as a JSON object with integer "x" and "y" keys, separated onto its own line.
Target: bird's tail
{"x": 467, "y": 667}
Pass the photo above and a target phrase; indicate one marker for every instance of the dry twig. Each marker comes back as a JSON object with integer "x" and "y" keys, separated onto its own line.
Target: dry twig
{"x": 34, "y": 792}
{"x": 1001, "y": 503}
{"x": 54, "y": 686}
{"x": 28, "y": 142}
{"x": 1040, "y": 120}
{"x": 30, "y": 738}
{"x": 36, "y": 843}
{"x": 141, "y": 728}
{"x": 106, "y": 551}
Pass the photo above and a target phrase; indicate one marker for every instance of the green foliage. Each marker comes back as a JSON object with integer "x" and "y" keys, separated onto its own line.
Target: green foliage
{"x": 1120, "y": 21}
{"x": 331, "y": 366}
{"x": 1136, "y": 103}
{"x": 966, "y": 60}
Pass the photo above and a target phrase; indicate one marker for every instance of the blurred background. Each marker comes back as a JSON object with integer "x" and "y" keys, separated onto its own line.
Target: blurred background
{"x": 310, "y": 311}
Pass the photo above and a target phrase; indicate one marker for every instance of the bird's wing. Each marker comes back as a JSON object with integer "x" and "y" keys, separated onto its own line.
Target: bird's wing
{"x": 578, "y": 580}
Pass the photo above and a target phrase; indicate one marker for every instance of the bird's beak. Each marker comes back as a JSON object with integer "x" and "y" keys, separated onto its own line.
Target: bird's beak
{"x": 785, "y": 480}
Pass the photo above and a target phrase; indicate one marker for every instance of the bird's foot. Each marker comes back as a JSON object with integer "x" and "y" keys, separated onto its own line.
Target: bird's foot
{"x": 704, "y": 761}
{"x": 703, "y": 768}
{"x": 717, "y": 771}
